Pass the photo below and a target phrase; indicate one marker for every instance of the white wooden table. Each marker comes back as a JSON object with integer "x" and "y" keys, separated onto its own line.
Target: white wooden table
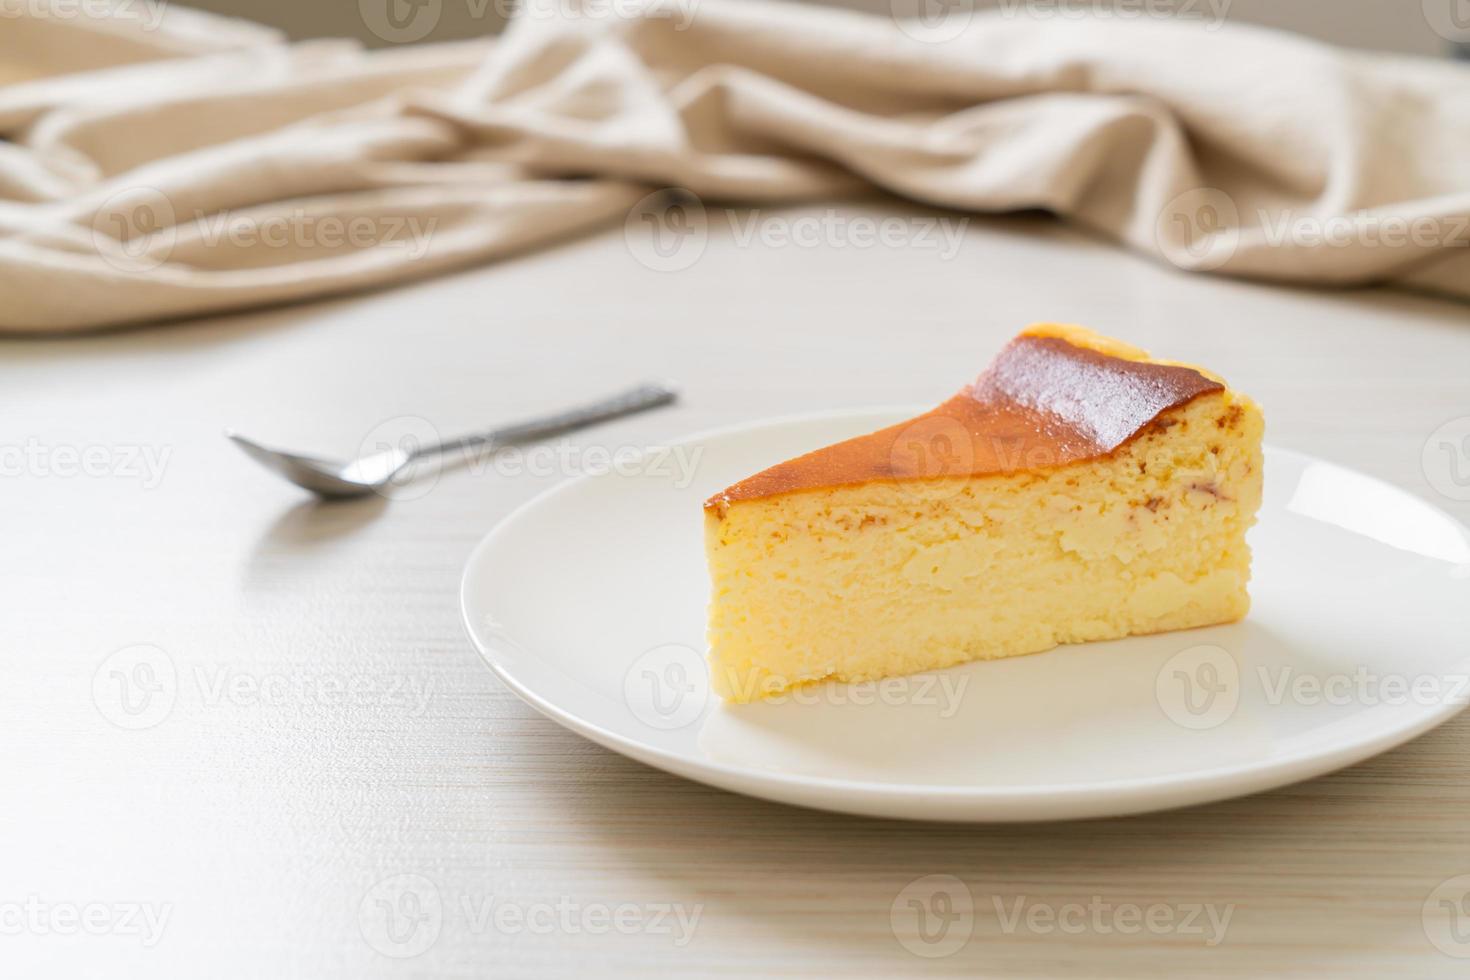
{"x": 328, "y": 727}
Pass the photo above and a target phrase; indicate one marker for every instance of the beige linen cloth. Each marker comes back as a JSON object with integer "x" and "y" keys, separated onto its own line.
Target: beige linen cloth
{"x": 151, "y": 170}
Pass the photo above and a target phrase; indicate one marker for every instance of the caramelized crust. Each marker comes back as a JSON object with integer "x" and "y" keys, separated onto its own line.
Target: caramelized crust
{"x": 1044, "y": 402}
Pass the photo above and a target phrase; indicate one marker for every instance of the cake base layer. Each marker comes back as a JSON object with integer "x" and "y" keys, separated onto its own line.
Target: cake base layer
{"x": 891, "y": 577}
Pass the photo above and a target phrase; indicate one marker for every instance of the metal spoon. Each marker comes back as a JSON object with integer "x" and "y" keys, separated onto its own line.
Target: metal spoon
{"x": 337, "y": 481}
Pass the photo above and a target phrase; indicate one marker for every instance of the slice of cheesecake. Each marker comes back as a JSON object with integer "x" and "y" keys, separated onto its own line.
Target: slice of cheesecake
{"x": 1078, "y": 490}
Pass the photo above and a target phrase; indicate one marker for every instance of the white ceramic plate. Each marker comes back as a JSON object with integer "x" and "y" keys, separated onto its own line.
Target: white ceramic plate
{"x": 589, "y": 603}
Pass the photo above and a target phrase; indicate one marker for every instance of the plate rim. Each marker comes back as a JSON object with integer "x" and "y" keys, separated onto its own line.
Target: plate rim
{"x": 1129, "y": 795}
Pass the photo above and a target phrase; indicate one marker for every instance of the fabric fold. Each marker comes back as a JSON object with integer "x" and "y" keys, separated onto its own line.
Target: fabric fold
{"x": 202, "y": 165}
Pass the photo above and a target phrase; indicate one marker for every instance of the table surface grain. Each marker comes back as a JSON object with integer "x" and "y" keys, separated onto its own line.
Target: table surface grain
{"x": 329, "y": 729}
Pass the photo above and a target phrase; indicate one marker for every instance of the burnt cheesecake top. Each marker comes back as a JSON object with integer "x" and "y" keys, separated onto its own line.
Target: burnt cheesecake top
{"x": 1054, "y": 396}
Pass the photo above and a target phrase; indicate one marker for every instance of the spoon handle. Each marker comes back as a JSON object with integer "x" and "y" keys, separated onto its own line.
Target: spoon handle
{"x": 641, "y": 398}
